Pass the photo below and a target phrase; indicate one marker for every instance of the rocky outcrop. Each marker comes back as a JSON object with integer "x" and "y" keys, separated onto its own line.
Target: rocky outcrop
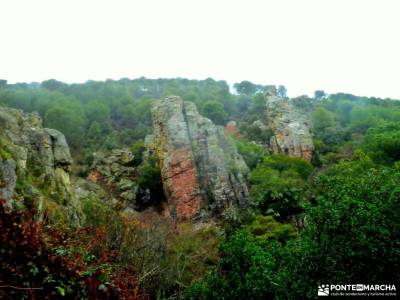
{"x": 29, "y": 150}
{"x": 290, "y": 122}
{"x": 200, "y": 167}
{"x": 115, "y": 173}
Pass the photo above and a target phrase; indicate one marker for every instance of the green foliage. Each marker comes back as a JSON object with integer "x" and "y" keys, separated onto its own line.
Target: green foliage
{"x": 53, "y": 84}
{"x": 282, "y": 163}
{"x": 319, "y": 94}
{"x": 215, "y": 112}
{"x": 149, "y": 180}
{"x": 257, "y": 107}
{"x": 265, "y": 228}
{"x": 190, "y": 253}
{"x": 322, "y": 118}
{"x": 255, "y": 133}
{"x": 5, "y": 154}
{"x": 352, "y": 235}
{"x": 70, "y": 120}
{"x": 382, "y": 143}
{"x": 282, "y": 91}
{"x": 137, "y": 151}
{"x": 245, "y": 271}
{"x": 245, "y": 88}
{"x": 96, "y": 212}
{"x": 341, "y": 118}
{"x": 252, "y": 153}
{"x": 279, "y": 183}
{"x": 112, "y": 114}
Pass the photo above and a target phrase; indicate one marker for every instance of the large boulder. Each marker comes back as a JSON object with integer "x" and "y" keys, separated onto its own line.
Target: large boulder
{"x": 200, "y": 167}
{"x": 290, "y": 122}
{"x": 29, "y": 151}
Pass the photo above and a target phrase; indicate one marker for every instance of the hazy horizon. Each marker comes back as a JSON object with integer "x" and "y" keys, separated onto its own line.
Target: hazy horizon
{"x": 336, "y": 46}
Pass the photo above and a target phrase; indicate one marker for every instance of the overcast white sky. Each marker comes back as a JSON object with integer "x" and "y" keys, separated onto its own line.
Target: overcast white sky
{"x": 336, "y": 45}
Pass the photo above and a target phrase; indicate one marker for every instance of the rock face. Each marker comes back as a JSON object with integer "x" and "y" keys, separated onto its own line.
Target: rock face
{"x": 116, "y": 174}
{"x": 29, "y": 149}
{"x": 290, "y": 122}
{"x": 200, "y": 167}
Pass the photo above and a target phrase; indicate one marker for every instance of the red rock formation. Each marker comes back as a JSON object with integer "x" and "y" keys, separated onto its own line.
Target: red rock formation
{"x": 199, "y": 166}
{"x": 182, "y": 186}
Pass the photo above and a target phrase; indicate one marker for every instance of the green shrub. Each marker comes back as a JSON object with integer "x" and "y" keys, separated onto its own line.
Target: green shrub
{"x": 190, "y": 254}
{"x": 5, "y": 154}
{"x": 96, "y": 211}
{"x": 246, "y": 271}
{"x": 137, "y": 151}
{"x": 265, "y": 228}
{"x": 150, "y": 180}
{"x": 251, "y": 152}
{"x": 279, "y": 183}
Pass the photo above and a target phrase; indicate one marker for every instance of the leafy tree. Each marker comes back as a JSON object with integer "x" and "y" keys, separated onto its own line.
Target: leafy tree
{"x": 279, "y": 184}
{"x": 53, "y": 84}
{"x": 319, "y": 94}
{"x": 137, "y": 151}
{"x": 150, "y": 183}
{"x": 282, "y": 91}
{"x": 70, "y": 120}
{"x": 265, "y": 228}
{"x": 322, "y": 118}
{"x": 352, "y": 233}
{"x": 245, "y": 271}
{"x": 215, "y": 111}
{"x": 257, "y": 106}
{"x": 383, "y": 143}
{"x": 245, "y": 88}
{"x": 252, "y": 153}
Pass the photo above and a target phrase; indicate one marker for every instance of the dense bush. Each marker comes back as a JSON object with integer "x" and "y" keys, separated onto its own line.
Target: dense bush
{"x": 40, "y": 262}
{"x": 251, "y": 152}
{"x": 352, "y": 235}
{"x": 383, "y": 143}
{"x": 279, "y": 184}
{"x": 245, "y": 271}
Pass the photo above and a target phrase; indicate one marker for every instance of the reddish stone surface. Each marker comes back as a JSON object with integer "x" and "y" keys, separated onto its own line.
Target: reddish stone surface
{"x": 182, "y": 185}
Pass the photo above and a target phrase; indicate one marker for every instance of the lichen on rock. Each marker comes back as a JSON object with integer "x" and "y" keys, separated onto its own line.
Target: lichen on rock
{"x": 200, "y": 166}
{"x": 115, "y": 177}
{"x": 40, "y": 153}
{"x": 290, "y": 122}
